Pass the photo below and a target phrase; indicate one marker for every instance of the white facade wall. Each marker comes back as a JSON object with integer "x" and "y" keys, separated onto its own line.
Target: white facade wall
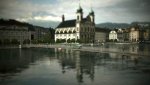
{"x": 66, "y": 33}
{"x": 113, "y": 35}
{"x": 83, "y": 31}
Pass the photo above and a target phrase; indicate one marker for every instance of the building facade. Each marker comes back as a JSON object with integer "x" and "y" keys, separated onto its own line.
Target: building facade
{"x": 113, "y": 35}
{"x": 79, "y": 29}
{"x": 134, "y": 34}
{"x": 126, "y": 35}
{"x": 15, "y": 32}
{"x": 147, "y": 34}
{"x": 120, "y": 35}
{"x": 18, "y": 34}
{"x": 101, "y": 34}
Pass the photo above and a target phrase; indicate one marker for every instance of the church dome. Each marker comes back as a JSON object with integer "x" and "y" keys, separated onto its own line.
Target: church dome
{"x": 79, "y": 10}
{"x": 92, "y": 12}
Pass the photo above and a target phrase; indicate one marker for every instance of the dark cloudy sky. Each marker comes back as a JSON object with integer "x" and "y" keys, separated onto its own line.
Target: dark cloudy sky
{"x": 48, "y": 12}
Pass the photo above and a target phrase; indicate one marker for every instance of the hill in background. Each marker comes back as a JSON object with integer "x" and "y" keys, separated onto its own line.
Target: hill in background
{"x": 113, "y": 25}
{"x": 121, "y": 25}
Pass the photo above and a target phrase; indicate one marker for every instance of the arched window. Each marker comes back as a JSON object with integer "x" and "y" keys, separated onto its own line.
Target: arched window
{"x": 69, "y": 31}
{"x": 77, "y": 17}
{"x": 61, "y": 32}
{"x": 65, "y": 32}
{"x": 74, "y": 31}
{"x": 57, "y": 32}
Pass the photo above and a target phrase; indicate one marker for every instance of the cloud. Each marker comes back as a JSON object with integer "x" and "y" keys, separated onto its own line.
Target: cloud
{"x": 124, "y": 11}
{"x": 40, "y": 18}
{"x": 47, "y": 18}
{"x": 51, "y": 10}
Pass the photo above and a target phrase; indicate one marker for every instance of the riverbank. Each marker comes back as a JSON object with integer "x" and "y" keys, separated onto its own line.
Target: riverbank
{"x": 120, "y": 49}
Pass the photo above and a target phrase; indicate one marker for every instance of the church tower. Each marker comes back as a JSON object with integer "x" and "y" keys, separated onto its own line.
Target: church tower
{"x": 79, "y": 14}
{"x": 92, "y": 16}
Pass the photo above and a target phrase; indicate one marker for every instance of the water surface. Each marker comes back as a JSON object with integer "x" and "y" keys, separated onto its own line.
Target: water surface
{"x": 45, "y": 66}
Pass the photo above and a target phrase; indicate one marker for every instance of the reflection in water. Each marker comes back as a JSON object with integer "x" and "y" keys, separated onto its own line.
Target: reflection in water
{"x": 14, "y": 61}
{"x": 131, "y": 48}
{"x": 74, "y": 67}
{"x": 85, "y": 62}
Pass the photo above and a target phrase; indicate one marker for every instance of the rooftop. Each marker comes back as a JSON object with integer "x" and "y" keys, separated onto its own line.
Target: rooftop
{"x": 67, "y": 23}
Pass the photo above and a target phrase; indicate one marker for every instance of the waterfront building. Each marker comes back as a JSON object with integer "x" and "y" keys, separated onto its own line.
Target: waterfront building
{"x": 40, "y": 32}
{"x": 120, "y": 35}
{"x": 147, "y": 34}
{"x": 15, "y": 34}
{"x": 79, "y": 29}
{"x": 126, "y": 35}
{"x": 140, "y": 32}
{"x": 101, "y": 34}
{"x": 134, "y": 34}
{"x": 113, "y": 35}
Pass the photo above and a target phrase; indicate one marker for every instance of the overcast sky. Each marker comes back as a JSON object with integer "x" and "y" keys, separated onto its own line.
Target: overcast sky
{"x": 48, "y": 12}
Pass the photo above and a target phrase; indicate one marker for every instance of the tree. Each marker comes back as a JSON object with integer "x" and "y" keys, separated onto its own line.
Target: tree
{"x": 79, "y": 41}
{"x": 126, "y": 39}
{"x": 34, "y": 41}
{"x": 6, "y": 41}
{"x": 14, "y": 41}
{"x": 58, "y": 41}
{"x": 52, "y": 41}
{"x": 68, "y": 41}
{"x": 48, "y": 37}
{"x": 0, "y": 42}
{"x": 26, "y": 41}
{"x": 73, "y": 40}
{"x": 63, "y": 40}
{"x": 115, "y": 40}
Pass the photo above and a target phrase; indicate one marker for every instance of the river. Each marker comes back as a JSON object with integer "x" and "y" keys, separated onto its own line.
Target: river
{"x": 49, "y": 66}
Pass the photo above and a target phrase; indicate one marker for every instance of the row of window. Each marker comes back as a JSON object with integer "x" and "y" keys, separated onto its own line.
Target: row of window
{"x": 65, "y": 32}
{"x": 13, "y": 33}
{"x": 57, "y": 35}
{"x": 84, "y": 29}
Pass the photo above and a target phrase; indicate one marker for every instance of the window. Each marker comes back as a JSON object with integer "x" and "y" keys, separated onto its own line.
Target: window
{"x": 77, "y": 17}
{"x": 32, "y": 37}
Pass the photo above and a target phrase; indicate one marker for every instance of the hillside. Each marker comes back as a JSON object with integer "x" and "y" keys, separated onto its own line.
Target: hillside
{"x": 113, "y": 25}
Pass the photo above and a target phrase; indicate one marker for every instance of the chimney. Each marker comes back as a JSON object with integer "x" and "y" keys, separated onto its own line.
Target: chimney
{"x": 63, "y": 18}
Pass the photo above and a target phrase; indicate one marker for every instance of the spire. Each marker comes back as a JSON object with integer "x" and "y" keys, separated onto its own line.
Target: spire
{"x": 79, "y": 13}
{"x": 79, "y": 10}
{"x": 92, "y": 12}
{"x": 91, "y": 4}
{"x": 79, "y": 4}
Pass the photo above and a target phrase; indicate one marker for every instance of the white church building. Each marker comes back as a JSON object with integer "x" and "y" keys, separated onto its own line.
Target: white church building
{"x": 113, "y": 35}
{"x": 79, "y": 29}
